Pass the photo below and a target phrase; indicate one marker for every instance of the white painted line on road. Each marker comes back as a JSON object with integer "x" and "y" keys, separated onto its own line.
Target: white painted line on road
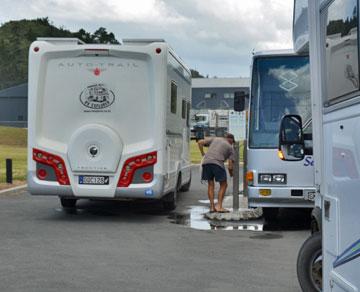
{"x": 13, "y": 190}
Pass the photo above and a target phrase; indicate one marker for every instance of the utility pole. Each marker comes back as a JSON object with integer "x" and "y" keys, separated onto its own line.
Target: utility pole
{"x": 236, "y": 177}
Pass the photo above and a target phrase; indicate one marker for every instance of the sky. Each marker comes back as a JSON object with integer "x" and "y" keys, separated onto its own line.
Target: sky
{"x": 215, "y": 37}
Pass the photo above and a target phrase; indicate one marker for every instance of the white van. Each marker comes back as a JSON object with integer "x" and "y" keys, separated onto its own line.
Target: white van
{"x": 108, "y": 121}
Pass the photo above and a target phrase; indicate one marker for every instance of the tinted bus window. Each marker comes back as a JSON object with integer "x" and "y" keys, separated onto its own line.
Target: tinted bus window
{"x": 280, "y": 86}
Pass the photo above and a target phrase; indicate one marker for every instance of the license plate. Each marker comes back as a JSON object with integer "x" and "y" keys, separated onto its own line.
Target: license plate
{"x": 265, "y": 192}
{"x": 93, "y": 180}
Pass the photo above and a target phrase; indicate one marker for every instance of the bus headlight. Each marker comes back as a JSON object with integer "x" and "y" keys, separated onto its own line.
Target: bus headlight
{"x": 269, "y": 178}
{"x": 279, "y": 179}
{"x": 265, "y": 178}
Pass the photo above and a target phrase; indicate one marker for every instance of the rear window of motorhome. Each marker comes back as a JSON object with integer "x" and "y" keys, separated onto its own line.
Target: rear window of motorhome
{"x": 173, "y": 97}
{"x": 341, "y": 49}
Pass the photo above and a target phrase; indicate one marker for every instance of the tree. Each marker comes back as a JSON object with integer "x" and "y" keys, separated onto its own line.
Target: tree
{"x": 16, "y": 37}
{"x": 101, "y": 36}
{"x": 195, "y": 74}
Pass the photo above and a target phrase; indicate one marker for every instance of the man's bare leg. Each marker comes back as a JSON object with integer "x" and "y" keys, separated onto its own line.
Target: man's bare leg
{"x": 223, "y": 187}
{"x": 211, "y": 194}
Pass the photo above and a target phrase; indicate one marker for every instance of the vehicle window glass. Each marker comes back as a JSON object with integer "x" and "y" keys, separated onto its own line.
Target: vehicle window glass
{"x": 280, "y": 86}
{"x": 301, "y": 23}
{"x": 188, "y": 114}
{"x": 173, "y": 97}
{"x": 183, "y": 109}
{"x": 341, "y": 49}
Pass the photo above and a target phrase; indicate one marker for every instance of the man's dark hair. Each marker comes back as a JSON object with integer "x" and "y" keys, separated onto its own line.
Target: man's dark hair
{"x": 230, "y": 136}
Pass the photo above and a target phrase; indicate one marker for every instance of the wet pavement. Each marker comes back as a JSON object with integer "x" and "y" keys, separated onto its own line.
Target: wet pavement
{"x": 135, "y": 246}
{"x": 193, "y": 217}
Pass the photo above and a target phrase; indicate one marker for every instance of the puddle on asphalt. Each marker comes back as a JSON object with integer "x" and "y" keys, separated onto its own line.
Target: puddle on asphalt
{"x": 194, "y": 218}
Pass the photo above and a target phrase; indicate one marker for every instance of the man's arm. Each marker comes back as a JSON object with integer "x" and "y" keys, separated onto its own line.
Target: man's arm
{"x": 231, "y": 162}
{"x": 231, "y": 167}
{"x": 201, "y": 144}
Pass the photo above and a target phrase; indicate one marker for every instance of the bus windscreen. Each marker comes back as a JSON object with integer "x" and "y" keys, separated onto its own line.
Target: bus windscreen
{"x": 280, "y": 86}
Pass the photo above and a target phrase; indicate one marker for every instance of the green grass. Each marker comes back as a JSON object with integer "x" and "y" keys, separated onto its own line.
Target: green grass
{"x": 13, "y": 136}
{"x": 195, "y": 155}
{"x": 13, "y": 143}
{"x": 19, "y": 156}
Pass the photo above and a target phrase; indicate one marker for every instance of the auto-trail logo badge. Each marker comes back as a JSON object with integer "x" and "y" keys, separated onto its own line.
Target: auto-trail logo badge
{"x": 97, "y": 97}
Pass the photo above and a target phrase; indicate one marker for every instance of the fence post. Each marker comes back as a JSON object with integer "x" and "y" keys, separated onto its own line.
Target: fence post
{"x": 9, "y": 171}
{"x": 236, "y": 177}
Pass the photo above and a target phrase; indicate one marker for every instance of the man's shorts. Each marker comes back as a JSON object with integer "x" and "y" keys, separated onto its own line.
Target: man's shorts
{"x": 211, "y": 171}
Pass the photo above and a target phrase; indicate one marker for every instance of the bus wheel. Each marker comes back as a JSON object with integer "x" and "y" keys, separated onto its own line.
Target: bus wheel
{"x": 68, "y": 203}
{"x": 270, "y": 214}
{"x": 186, "y": 187}
{"x": 309, "y": 264}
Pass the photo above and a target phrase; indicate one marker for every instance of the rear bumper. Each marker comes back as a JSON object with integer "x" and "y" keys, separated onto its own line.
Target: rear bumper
{"x": 281, "y": 197}
{"x": 153, "y": 190}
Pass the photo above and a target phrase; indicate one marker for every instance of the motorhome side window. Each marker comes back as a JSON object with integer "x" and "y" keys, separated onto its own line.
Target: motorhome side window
{"x": 188, "y": 106}
{"x": 173, "y": 97}
{"x": 183, "y": 109}
{"x": 341, "y": 49}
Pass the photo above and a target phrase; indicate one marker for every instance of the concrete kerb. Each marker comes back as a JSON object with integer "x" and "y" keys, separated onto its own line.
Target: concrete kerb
{"x": 13, "y": 190}
{"x": 244, "y": 213}
{"x": 239, "y": 215}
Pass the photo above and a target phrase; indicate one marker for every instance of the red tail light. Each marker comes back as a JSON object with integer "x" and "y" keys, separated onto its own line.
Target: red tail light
{"x": 134, "y": 163}
{"x": 56, "y": 162}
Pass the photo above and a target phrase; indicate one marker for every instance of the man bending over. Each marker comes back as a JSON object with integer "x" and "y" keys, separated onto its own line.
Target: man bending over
{"x": 213, "y": 167}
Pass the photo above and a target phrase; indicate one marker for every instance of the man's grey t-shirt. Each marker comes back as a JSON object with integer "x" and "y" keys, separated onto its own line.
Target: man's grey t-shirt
{"x": 219, "y": 151}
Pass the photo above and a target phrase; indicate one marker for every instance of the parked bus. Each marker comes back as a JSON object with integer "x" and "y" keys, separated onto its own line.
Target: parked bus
{"x": 333, "y": 39}
{"x": 108, "y": 121}
{"x": 280, "y": 85}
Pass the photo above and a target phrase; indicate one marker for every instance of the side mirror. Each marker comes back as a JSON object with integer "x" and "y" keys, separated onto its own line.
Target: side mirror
{"x": 291, "y": 139}
{"x": 239, "y": 101}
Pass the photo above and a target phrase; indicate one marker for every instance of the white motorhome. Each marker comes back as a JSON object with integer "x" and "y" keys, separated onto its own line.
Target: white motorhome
{"x": 108, "y": 121}
{"x": 333, "y": 42}
{"x": 280, "y": 85}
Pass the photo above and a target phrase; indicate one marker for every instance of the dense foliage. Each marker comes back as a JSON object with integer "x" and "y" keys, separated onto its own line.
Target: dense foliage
{"x": 16, "y": 37}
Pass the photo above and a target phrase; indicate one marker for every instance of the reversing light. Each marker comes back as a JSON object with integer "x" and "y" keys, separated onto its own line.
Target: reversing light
{"x": 56, "y": 162}
{"x": 133, "y": 164}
